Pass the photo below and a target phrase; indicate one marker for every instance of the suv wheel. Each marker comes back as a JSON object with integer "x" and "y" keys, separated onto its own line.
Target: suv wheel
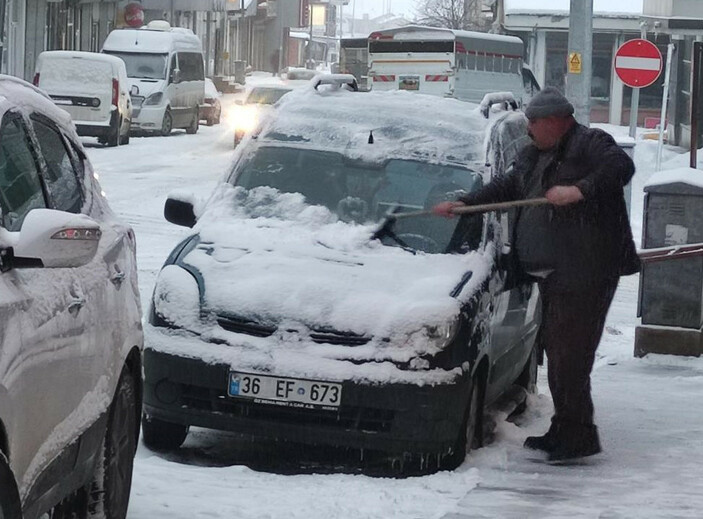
{"x": 10, "y": 507}
{"x": 162, "y": 436}
{"x": 471, "y": 432}
{"x": 125, "y": 138}
{"x": 107, "y": 496}
{"x": 195, "y": 123}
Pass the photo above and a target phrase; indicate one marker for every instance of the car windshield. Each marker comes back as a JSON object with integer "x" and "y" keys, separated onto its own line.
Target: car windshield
{"x": 266, "y": 96}
{"x": 143, "y": 66}
{"x": 365, "y": 193}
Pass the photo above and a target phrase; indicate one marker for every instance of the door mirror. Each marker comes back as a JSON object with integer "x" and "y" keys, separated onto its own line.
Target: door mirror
{"x": 175, "y": 76}
{"x": 134, "y": 91}
{"x": 56, "y": 239}
{"x": 178, "y": 210}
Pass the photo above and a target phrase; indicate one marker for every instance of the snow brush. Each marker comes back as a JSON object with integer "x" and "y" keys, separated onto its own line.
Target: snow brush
{"x": 391, "y": 217}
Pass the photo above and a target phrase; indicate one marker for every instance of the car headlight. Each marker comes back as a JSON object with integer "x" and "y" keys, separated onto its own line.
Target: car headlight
{"x": 436, "y": 336}
{"x": 243, "y": 118}
{"x": 154, "y": 99}
{"x": 176, "y": 301}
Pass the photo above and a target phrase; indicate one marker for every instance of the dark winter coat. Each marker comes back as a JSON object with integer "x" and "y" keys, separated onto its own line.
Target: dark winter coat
{"x": 583, "y": 243}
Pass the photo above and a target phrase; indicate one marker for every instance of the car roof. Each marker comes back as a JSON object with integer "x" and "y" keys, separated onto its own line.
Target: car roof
{"x": 16, "y": 93}
{"x": 403, "y": 124}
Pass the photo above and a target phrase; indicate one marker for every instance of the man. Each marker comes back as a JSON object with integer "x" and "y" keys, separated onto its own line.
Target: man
{"x": 576, "y": 248}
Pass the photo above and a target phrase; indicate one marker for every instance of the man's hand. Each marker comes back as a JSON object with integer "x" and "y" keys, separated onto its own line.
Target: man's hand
{"x": 564, "y": 195}
{"x": 445, "y": 209}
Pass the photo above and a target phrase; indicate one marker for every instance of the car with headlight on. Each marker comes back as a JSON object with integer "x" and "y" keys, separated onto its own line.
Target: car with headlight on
{"x": 249, "y": 112}
{"x": 282, "y": 317}
{"x": 70, "y": 322}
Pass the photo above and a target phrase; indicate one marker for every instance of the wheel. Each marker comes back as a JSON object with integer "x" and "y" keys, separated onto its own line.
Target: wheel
{"x": 10, "y": 507}
{"x": 218, "y": 114}
{"x": 125, "y": 137}
{"x": 167, "y": 123}
{"x": 107, "y": 496}
{"x": 163, "y": 436}
{"x": 471, "y": 431}
{"x": 194, "y": 124}
{"x": 113, "y": 139}
{"x": 209, "y": 121}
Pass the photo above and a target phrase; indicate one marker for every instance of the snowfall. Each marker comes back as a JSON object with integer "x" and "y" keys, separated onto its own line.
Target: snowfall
{"x": 648, "y": 409}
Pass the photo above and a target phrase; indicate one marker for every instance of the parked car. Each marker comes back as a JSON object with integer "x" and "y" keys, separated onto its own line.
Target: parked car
{"x": 257, "y": 104}
{"x": 211, "y": 109}
{"x": 166, "y": 70}
{"x": 281, "y": 317}
{"x": 94, "y": 90}
{"x": 70, "y": 327}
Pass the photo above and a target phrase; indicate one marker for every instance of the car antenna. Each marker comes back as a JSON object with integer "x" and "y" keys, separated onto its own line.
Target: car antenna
{"x": 371, "y": 137}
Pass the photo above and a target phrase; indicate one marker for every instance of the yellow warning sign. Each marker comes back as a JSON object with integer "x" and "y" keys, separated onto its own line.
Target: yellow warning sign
{"x": 574, "y": 62}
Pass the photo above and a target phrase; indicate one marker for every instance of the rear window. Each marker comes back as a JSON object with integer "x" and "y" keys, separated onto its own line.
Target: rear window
{"x": 74, "y": 75}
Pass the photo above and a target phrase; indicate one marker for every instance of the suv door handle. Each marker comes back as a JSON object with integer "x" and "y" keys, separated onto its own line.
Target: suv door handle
{"x": 75, "y": 305}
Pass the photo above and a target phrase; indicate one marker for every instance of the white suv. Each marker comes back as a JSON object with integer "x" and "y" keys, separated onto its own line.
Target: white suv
{"x": 70, "y": 330}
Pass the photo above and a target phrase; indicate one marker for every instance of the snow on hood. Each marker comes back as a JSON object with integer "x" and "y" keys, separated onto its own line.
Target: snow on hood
{"x": 270, "y": 257}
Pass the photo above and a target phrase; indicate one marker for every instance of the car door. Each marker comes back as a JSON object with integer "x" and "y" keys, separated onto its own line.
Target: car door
{"x": 174, "y": 91}
{"x": 41, "y": 372}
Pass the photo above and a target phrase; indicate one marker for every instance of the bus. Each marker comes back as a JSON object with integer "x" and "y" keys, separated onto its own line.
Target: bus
{"x": 354, "y": 59}
{"x": 462, "y": 64}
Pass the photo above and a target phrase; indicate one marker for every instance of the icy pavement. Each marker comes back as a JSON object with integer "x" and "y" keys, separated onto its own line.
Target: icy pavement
{"x": 648, "y": 409}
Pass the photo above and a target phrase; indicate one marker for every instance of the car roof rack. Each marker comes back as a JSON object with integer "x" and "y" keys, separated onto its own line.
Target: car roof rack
{"x": 336, "y": 80}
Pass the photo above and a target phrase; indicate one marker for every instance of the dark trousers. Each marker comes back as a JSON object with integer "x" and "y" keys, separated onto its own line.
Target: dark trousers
{"x": 572, "y": 325}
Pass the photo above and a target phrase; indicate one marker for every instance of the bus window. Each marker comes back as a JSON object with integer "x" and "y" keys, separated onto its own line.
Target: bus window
{"x": 480, "y": 61}
{"x": 471, "y": 62}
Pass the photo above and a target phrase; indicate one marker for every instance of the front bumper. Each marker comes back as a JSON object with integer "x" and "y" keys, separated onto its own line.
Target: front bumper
{"x": 147, "y": 117}
{"x": 393, "y": 417}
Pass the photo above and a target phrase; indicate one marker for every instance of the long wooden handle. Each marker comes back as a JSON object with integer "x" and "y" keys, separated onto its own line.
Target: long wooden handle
{"x": 482, "y": 208}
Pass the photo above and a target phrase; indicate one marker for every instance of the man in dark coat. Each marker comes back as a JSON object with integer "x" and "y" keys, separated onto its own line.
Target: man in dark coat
{"x": 576, "y": 248}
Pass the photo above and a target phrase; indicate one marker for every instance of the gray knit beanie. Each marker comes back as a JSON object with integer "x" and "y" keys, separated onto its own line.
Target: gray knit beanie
{"x": 549, "y": 103}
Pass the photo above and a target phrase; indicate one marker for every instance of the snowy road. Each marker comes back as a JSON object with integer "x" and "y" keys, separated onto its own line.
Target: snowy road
{"x": 649, "y": 410}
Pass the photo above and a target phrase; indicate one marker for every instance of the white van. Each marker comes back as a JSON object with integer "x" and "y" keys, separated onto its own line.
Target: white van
{"x": 92, "y": 88}
{"x": 166, "y": 73}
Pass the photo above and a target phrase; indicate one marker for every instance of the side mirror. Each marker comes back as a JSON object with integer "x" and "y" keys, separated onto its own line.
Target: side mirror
{"x": 179, "y": 211}
{"x": 134, "y": 91}
{"x": 56, "y": 239}
{"x": 176, "y": 76}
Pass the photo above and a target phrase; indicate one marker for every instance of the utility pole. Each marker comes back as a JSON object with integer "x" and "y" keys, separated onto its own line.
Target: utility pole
{"x": 579, "y": 59}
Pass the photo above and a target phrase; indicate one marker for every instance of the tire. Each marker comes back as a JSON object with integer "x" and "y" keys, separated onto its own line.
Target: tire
{"x": 10, "y": 507}
{"x": 125, "y": 138}
{"x": 107, "y": 496}
{"x": 162, "y": 436}
{"x": 114, "y": 138}
{"x": 167, "y": 123}
{"x": 195, "y": 124}
{"x": 471, "y": 431}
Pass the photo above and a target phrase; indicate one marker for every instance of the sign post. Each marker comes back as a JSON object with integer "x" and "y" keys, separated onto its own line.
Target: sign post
{"x": 638, "y": 64}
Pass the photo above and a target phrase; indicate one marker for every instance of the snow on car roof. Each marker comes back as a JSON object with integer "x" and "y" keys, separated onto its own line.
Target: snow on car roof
{"x": 150, "y": 41}
{"x": 403, "y": 125}
{"x": 70, "y": 54}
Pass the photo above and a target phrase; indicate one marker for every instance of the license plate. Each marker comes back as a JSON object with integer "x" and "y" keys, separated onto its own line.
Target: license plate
{"x": 409, "y": 83}
{"x": 291, "y": 392}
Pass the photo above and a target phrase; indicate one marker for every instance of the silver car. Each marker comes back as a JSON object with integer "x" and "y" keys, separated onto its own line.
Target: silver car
{"x": 70, "y": 332}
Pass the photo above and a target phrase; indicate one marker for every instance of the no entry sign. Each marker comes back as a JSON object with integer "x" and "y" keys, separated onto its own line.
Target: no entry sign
{"x": 638, "y": 63}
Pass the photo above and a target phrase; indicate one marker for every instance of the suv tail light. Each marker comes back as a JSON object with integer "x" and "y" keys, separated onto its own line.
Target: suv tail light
{"x": 115, "y": 92}
{"x": 35, "y": 81}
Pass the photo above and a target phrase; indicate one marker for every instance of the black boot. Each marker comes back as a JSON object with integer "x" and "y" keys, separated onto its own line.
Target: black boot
{"x": 576, "y": 441}
{"x": 546, "y": 443}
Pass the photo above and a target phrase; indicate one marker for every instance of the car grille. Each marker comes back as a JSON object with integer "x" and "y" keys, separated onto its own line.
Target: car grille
{"x": 236, "y": 325}
{"x": 248, "y": 327}
{"x": 346, "y": 417}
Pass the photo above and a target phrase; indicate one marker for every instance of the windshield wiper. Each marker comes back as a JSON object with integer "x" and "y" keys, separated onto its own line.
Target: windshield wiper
{"x": 386, "y": 231}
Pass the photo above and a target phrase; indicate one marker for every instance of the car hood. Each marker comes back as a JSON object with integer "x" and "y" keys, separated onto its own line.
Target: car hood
{"x": 267, "y": 257}
{"x": 147, "y": 86}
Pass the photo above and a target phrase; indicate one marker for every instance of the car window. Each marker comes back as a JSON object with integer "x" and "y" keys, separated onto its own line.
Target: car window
{"x": 20, "y": 184}
{"x": 147, "y": 66}
{"x": 61, "y": 180}
{"x": 363, "y": 192}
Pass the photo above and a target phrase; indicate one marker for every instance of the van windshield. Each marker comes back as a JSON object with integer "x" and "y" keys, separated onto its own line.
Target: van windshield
{"x": 143, "y": 66}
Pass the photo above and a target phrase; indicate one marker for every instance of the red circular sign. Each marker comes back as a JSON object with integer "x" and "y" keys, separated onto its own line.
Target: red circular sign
{"x": 134, "y": 15}
{"x": 638, "y": 63}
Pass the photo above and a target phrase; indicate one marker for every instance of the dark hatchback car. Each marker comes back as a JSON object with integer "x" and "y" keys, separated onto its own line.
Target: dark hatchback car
{"x": 280, "y": 318}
